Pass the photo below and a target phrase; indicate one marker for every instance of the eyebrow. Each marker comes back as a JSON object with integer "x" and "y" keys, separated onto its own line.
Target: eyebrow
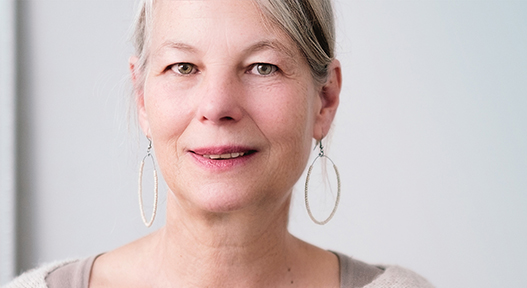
{"x": 258, "y": 46}
{"x": 175, "y": 45}
{"x": 269, "y": 44}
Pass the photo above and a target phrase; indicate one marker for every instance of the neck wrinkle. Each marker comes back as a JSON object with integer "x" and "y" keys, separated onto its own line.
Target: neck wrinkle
{"x": 211, "y": 249}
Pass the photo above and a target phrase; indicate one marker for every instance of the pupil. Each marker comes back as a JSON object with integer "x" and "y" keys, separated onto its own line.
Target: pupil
{"x": 264, "y": 69}
{"x": 185, "y": 68}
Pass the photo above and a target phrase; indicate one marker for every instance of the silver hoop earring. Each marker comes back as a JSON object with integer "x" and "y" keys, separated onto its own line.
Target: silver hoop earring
{"x": 148, "y": 155}
{"x": 306, "y": 196}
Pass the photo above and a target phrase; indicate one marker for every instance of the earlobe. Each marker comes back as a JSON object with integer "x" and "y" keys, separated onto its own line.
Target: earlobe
{"x": 329, "y": 97}
{"x": 139, "y": 95}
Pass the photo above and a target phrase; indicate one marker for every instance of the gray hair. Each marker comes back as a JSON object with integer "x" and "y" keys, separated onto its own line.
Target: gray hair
{"x": 310, "y": 23}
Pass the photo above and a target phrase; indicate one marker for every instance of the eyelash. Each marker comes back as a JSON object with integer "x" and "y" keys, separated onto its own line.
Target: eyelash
{"x": 251, "y": 69}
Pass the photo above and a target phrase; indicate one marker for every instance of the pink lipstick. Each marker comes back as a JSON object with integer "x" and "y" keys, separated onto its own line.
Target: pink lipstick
{"x": 222, "y": 157}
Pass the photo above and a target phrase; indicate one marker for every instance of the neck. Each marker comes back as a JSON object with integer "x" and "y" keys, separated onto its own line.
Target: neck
{"x": 223, "y": 248}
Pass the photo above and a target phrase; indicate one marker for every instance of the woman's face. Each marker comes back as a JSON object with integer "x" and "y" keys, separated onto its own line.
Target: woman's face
{"x": 229, "y": 104}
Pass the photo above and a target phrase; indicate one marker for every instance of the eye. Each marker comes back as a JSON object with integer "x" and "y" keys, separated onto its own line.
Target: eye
{"x": 184, "y": 68}
{"x": 264, "y": 69}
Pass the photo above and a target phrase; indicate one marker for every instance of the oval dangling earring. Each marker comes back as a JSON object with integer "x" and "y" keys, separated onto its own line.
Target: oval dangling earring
{"x": 321, "y": 155}
{"x": 154, "y": 211}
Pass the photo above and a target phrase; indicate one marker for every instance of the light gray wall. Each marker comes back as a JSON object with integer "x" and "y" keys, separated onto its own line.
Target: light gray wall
{"x": 77, "y": 161}
{"x": 430, "y": 141}
{"x": 7, "y": 139}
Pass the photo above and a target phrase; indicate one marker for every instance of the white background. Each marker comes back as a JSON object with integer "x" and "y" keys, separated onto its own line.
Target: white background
{"x": 430, "y": 141}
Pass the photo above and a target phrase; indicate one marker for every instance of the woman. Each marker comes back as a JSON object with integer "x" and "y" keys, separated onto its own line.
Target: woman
{"x": 231, "y": 95}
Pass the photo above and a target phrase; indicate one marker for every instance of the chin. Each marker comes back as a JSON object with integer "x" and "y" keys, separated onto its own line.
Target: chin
{"x": 225, "y": 198}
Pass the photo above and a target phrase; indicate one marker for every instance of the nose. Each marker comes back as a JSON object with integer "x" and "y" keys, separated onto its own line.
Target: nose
{"x": 220, "y": 99}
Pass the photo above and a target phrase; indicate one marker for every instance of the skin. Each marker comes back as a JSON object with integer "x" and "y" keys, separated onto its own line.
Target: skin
{"x": 226, "y": 219}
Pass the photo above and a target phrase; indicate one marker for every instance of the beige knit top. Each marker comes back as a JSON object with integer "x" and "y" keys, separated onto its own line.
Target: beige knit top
{"x": 353, "y": 274}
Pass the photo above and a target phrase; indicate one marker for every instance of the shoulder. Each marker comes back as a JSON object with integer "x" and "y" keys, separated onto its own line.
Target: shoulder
{"x": 36, "y": 278}
{"x": 399, "y": 277}
{"x": 355, "y": 273}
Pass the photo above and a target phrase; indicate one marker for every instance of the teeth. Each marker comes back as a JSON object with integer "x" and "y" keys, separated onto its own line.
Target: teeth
{"x": 225, "y": 156}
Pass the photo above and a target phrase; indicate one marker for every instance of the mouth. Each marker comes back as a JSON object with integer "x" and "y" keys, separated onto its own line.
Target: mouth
{"x": 224, "y": 156}
{"x": 225, "y": 153}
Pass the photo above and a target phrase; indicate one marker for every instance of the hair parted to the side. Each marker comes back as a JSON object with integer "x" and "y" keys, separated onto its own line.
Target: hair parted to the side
{"x": 310, "y": 23}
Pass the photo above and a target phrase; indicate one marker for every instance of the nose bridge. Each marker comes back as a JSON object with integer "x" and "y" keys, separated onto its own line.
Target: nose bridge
{"x": 220, "y": 97}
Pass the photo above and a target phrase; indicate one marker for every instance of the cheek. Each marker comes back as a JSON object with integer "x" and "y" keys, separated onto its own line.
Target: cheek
{"x": 167, "y": 111}
{"x": 168, "y": 115}
{"x": 285, "y": 117}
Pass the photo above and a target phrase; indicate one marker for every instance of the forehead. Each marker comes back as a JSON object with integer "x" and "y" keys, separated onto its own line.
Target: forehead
{"x": 213, "y": 24}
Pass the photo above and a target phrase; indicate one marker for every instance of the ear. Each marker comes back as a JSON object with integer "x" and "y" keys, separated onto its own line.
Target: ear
{"x": 329, "y": 97}
{"x": 139, "y": 95}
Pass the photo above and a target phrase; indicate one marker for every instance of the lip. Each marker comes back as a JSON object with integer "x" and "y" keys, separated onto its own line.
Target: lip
{"x": 207, "y": 157}
{"x": 218, "y": 150}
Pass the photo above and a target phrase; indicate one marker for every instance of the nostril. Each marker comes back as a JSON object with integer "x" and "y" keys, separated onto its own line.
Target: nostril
{"x": 228, "y": 118}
